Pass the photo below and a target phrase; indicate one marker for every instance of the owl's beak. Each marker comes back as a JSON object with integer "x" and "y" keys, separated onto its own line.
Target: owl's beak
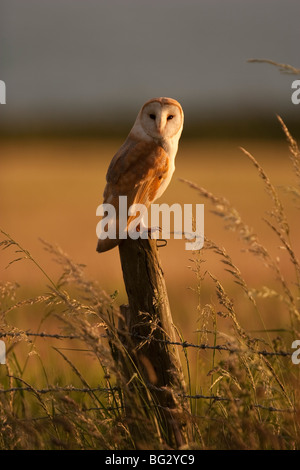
{"x": 160, "y": 127}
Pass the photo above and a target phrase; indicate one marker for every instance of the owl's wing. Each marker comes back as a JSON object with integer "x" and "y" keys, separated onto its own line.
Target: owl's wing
{"x": 136, "y": 171}
{"x": 146, "y": 188}
{"x": 121, "y": 161}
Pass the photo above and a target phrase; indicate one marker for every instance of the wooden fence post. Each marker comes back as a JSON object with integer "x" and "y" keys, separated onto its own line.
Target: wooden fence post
{"x": 148, "y": 315}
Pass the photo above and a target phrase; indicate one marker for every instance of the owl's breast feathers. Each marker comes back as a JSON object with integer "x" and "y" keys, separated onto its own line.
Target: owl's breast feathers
{"x": 138, "y": 170}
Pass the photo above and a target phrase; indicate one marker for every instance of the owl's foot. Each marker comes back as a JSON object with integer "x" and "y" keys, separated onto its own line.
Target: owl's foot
{"x": 154, "y": 232}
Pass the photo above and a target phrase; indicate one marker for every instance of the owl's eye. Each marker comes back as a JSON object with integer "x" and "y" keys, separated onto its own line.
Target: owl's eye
{"x": 152, "y": 116}
{"x": 170, "y": 117}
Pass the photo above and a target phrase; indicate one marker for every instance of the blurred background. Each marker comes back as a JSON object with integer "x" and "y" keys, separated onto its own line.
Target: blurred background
{"x": 89, "y": 65}
{"x": 76, "y": 74}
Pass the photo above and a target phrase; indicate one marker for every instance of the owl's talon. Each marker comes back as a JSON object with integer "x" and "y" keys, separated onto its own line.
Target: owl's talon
{"x": 154, "y": 231}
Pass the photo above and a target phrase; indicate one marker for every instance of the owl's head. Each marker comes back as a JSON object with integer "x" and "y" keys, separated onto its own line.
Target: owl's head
{"x": 161, "y": 118}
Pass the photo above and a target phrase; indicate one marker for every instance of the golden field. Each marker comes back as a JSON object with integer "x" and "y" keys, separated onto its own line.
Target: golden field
{"x": 49, "y": 190}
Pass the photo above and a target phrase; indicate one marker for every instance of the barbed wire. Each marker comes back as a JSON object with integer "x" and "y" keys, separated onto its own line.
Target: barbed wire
{"x": 183, "y": 344}
{"x": 111, "y": 390}
{"x": 43, "y": 335}
{"x": 122, "y": 407}
{"x": 186, "y": 344}
{"x": 68, "y": 388}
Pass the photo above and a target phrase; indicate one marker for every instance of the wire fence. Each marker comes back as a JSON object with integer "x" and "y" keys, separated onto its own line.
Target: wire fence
{"x": 183, "y": 344}
{"x": 111, "y": 390}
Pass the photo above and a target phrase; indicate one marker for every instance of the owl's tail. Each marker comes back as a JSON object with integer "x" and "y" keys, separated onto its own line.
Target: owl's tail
{"x": 107, "y": 244}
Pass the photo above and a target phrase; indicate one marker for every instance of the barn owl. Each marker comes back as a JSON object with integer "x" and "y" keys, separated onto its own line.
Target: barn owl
{"x": 143, "y": 166}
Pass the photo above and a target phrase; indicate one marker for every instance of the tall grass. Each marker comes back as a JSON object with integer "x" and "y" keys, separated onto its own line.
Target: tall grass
{"x": 63, "y": 386}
